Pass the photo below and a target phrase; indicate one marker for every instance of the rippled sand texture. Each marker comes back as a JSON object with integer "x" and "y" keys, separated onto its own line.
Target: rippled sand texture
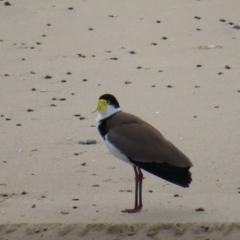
{"x": 140, "y": 231}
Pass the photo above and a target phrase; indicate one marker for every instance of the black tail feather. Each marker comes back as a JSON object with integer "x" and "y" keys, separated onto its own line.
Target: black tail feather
{"x": 177, "y": 175}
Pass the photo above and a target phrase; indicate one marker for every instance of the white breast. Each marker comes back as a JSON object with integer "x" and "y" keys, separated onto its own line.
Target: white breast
{"x": 115, "y": 151}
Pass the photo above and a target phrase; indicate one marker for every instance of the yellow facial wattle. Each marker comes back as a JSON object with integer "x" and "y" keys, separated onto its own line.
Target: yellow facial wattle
{"x": 102, "y": 106}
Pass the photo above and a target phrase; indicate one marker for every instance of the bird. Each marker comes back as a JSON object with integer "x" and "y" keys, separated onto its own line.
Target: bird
{"x": 138, "y": 143}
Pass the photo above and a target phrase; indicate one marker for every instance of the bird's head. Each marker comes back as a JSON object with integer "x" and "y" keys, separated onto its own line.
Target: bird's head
{"x": 107, "y": 106}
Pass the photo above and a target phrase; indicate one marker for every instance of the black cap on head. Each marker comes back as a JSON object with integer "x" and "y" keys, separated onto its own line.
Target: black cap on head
{"x": 109, "y": 97}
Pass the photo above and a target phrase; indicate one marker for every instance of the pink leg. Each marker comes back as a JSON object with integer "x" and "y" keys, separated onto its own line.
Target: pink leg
{"x": 138, "y": 191}
{"x": 140, "y": 188}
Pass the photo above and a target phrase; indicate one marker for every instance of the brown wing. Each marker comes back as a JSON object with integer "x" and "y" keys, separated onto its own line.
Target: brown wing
{"x": 141, "y": 142}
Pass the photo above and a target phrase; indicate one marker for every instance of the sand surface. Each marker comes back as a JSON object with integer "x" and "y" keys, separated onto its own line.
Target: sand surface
{"x": 173, "y": 63}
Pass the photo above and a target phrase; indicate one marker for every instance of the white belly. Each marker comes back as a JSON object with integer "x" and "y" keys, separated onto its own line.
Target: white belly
{"x": 115, "y": 151}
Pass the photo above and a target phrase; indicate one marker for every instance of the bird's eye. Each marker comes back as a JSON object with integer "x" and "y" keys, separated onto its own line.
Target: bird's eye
{"x": 108, "y": 102}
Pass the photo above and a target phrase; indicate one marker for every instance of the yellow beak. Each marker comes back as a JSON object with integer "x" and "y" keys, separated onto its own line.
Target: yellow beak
{"x": 95, "y": 110}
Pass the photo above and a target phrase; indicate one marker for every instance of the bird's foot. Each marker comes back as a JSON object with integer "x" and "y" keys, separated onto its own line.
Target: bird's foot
{"x": 134, "y": 210}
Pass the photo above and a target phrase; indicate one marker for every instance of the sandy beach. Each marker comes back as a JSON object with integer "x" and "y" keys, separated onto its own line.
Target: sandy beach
{"x": 174, "y": 64}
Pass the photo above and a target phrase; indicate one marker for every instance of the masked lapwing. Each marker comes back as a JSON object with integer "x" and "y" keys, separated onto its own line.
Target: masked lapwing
{"x": 136, "y": 142}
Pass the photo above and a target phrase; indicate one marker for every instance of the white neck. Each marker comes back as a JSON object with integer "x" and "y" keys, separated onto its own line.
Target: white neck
{"x": 110, "y": 111}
